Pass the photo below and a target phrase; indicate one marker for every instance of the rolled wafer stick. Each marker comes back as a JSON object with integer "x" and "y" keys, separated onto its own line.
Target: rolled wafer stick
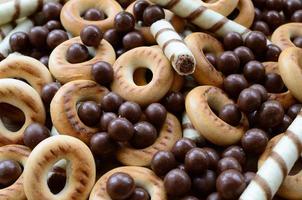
{"x": 173, "y": 47}
{"x": 277, "y": 166}
{"x": 189, "y": 131}
{"x": 4, "y": 30}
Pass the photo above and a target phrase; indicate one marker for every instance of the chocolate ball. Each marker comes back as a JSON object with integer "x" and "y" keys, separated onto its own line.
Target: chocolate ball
{"x": 91, "y": 36}
{"x": 214, "y": 196}
{"x": 51, "y": 10}
{"x": 230, "y": 114}
{"x": 139, "y": 194}
{"x": 120, "y": 129}
{"x": 205, "y": 183}
{"x": 298, "y": 42}
{"x": 293, "y": 110}
{"x": 77, "y": 53}
{"x": 290, "y": 6}
{"x": 94, "y": 14}
{"x": 56, "y": 37}
{"x": 228, "y": 163}
{"x": 162, "y": 162}
{"x": 111, "y": 102}
{"x": 177, "y": 183}
{"x": 258, "y": 14}
{"x": 89, "y": 113}
{"x": 106, "y": 119}
{"x": 273, "y": 18}
{"x": 152, "y": 14}
{"x": 230, "y": 184}
{"x": 132, "y": 40}
{"x": 282, "y": 127}
{"x": 244, "y": 54}
{"x": 254, "y": 141}
{"x": 144, "y": 135}
{"x": 228, "y": 63}
{"x": 53, "y": 24}
{"x": 248, "y": 177}
{"x": 34, "y": 134}
{"x": 44, "y": 60}
{"x": 261, "y": 90}
{"x": 175, "y": 102}
{"x": 196, "y": 161}
{"x": 18, "y": 41}
{"x": 10, "y": 171}
{"x": 274, "y": 5}
{"x": 124, "y": 22}
{"x": 213, "y": 157}
{"x": 249, "y": 100}
{"x": 259, "y": 3}
{"x": 48, "y": 92}
{"x": 120, "y": 186}
{"x": 156, "y": 114}
{"x": 297, "y": 16}
{"x": 234, "y": 84}
{"x": 181, "y": 147}
{"x": 262, "y": 27}
{"x": 101, "y": 144}
{"x": 272, "y": 53}
{"x": 232, "y": 40}
{"x": 256, "y": 41}
{"x": 273, "y": 83}
{"x": 212, "y": 58}
{"x": 236, "y": 152}
{"x": 37, "y": 36}
{"x": 102, "y": 73}
{"x": 130, "y": 110}
{"x": 139, "y": 8}
{"x": 57, "y": 180}
{"x": 119, "y": 52}
{"x": 270, "y": 114}
{"x": 254, "y": 71}
{"x": 113, "y": 37}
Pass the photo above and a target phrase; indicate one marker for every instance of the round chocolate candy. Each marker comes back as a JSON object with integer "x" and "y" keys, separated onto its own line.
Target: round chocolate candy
{"x": 297, "y": 16}
{"x": 113, "y": 37}
{"x": 152, "y": 14}
{"x": 196, "y": 161}
{"x": 139, "y": 194}
{"x": 181, "y": 147}
{"x": 248, "y": 177}
{"x": 273, "y": 19}
{"x": 234, "y": 84}
{"x": 94, "y": 14}
{"x": 131, "y": 111}
{"x": 120, "y": 129}
{"x": 124, "y": 22}
{"x": 37, "y": 36}
{"x": 254, "y": 141}
{"x": 290, "y": 6}
{"x": 293, "y": 110}
{"x": 228, "y": 63}
{"x": 120, "y": 186}
{"x": 51, "y": 10}
{"x": 102, "y": 73}
{"x": 132, "y": 40}
{"x": 139, "y": 8}
{"x": 53, "y": 24}
{"x": 57, "y": 180}
{"x": 212, "y": 58}
{"x": 236, "y": 152}
{"x": 244, "y": 54}
{"x": 44, "y": 60}
{"x": 262, "y": 27}
{"x": 77, "y": 53}
{"x": 177, "y": 183}
{"x": 106, "y": 119}
{"x": 34, "y": 134}
{"x": 228, "y": 163}
{"x": 89, "y": 113}
{"x": 213, "y": 157}
{"x": 270, "y": 114}
{"x": 232, "y": 40}
{"x": 144, "y": 135}
{"x": 111, "y": 102}
{"x": 261, "y": 90}
{"x": 272, "y": 53}
{"x": 205, "y": 183}
{"x": 256, "y": 41}
{"x": 282, "y": 127}
{"x": 231, "y": 114}
{"x": 254, "y": 71}
{"x": 162, "y": 162}
{"x": 214, "y": 196}
{"x": 274, "y": 5}
{"x": 48, "y": 92}
{"x": 101, "y": 144}
{"x": 91, "y": 36}
{"x": 249, "y": 100}
{"x": 175, "y": 102}
{"x": 56, "y": 37}
{"x": 298, "y": 41}
{"x": 10, "y": 171}
{"x": 156, "y": 114}
{"x": 18, "y": 41}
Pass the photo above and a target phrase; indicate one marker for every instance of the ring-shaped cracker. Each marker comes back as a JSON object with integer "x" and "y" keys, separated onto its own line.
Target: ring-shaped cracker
{"x": 20, "y": 154}
{"x": 199, "y": 104}
{"x": 246, "y": 13}
{"x": 168, "y": 135}
{"x": 64, "y": 71}
{"x": 224, "y": 7}
{"x": 285, "y": 98}
{"x": 151, "y": 58}
{"x": 80, "y": 169}
{"x": 63, "y": 107}
{"x": 143, "y": 177}
{"x": 27, "y": 99}
{"x": 284, "y": 34}
{"x": 72, "y": 11}
{"x": 205, "y": 73}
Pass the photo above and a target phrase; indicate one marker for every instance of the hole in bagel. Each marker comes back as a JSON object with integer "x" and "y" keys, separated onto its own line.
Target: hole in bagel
{"x": 296, "y": 168}
{"x": 10, "y": 171}
{"x": 12, "y": 117}
{"x": 142, "y": 76}
{"x": 56, "y": 180}
{"x": 234, "y": 14}
{"x": 214, "y": 106}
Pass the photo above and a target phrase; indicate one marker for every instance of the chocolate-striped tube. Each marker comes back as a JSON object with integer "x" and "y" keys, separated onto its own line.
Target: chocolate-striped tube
{"x": 173, "y": 47}
{"x": 4, "y": 30}
{"x": 189, "y": 131}
{"x": 23, "y": 26}
{"x": 277, "y": 166}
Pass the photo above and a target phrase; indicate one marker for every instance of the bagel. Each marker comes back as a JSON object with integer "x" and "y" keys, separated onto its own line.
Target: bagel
{"x": 283, "y": 34}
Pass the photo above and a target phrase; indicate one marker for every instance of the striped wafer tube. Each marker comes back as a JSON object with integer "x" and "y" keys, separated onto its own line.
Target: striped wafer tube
{"x": 4, "y": 30}
{"x": 189, "y": 131}
{"x": 277, "y": 166}
{"x": 23, "y": 26}
{"x": 173, "y": 47}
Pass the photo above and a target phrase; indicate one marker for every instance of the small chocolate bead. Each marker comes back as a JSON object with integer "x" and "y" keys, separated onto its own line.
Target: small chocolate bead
{"x": 181, "y": 147}
{"x": 175, "y": 102}
{"x": 274, "y": 5}
{"x": 89, "y": 113}
{"x": 94, "y": 14}
{"x": 162, "y": 162}
{"x": 156, "y": 114}
{"x": 258, "y": 14}
{"x": 254, "y": 141}
{"x": 34, "y": 134}
{"x": 124, "y": 22}
{"x": 272, "y": 53}
{"x": 101, "y": 144}
{"x": 228, "y": 63}
{"x": 230, "y": 184}
{"x": 119, "y": 52}
{"x": 44, "y": 60}
{"x": 91, "y": 36}
{"x": 234, "y": 84}
{"x": 111, "y": 102}
{"x": 177, "y": 183}
{"x": 261, "y": 90}
{"x": 273, "y": 83}
{"x": 113, "y": 37}
{"x": 77, "y": 53}
{"x": 228, "y": 163}
{"x": 214, "y": 196}
{"x": 37, "y": 36}
{"x": 52, "y": 10}
{"x": 10, "y": 171}
{"x": 213, "y": 157}
{"x": 53, "y": 24}
{"x": 120, "y": 129}
{"x": 232, "y": 40}
{"x": 18, "y": 41}
{"x": 236, "y": 152}
{"x": 139, "y": 194}
{"x": 298, "y": 42}
{"x": 297, "y": 16}
{"x": 270, "y": 114}
{"x": 282, "y": 127}
{"x": 244, "y": 54}
{"x": 152, "y": 14}
{"x": 132, "y": 40}
{"x": 102, "y": 73}
{"x": 248, "y": 176}
{"x": 57, "y": 180}
{"x": 293, "y": 110}
{"x": 120, "y": 186}
{"x": 230, "y": 114}
{"x": 131, "y": 111}
{"x": 205, "y": 183}
{"x": 254, "y": 71}
{"x": 211, "y": 58}
{"x": 262, "y": 27}
{"x": 144, "y": 135}
{"x": 274, "y": 19}
{"x": 196, "y": 161}
{"x": 106, "y": 119}
{"x": 259, "y": 3}
{"x": 290, "y": 6}
{"x": 48, "y": 92}
{"x": 56, "y": 37}
{"x": 249, "y": 100}
{"x": 256, "y": 41}
{"x": 139, "y": 8}
{"x": 189, "y": 198}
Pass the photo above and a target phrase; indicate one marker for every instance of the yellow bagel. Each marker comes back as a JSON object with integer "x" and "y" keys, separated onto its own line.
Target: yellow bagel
{"x": 283, "y": 34}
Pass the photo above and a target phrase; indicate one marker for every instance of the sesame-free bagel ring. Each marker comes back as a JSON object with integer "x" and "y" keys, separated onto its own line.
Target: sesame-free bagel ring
{"x": 285, "y": 98}
{"x": 20, "y": 154}
{"x": 27, "y": 99}
{"x": 143, "y": 177}
{"x": 148, "y": 57}
{"x": 63, "y": 107}
{"x": 199, "y": 104}
{"x": 168, "y": 135}
{"x": 224, "y": 7}
{"x": 200, "y": 44}
{"x": 80, "y": 169}
{"x": 64, "y": 71}
{"x": 73, "y": 22}
{"x": 284, "y": 34}
{"x": 246, "y": 13}
{"x": 290, "y": 64}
